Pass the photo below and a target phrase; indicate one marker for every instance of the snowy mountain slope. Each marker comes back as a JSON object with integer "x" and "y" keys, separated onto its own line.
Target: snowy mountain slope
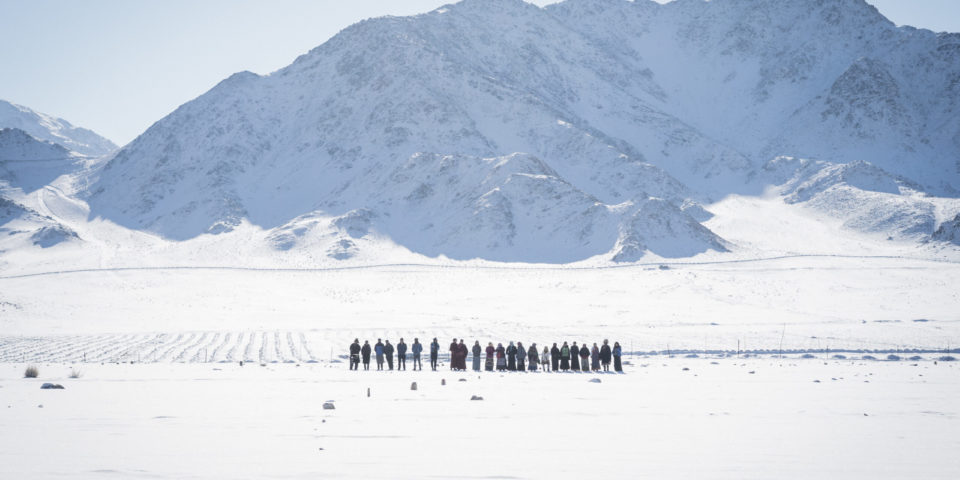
{"x": 830, "y": 79}
{"x": 305, "y": 139}
{"x": 865, "y": 198}
{"x": 515, "y": 208}
{"x": 21, "y": 226}
{"x": 52, "y": 129}
{"x": 28, "y": 163}
{"x": 608, "y": 95}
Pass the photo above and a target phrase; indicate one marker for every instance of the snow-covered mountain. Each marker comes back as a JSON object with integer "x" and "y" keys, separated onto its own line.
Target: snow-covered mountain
{"x": 52, "y": 129}
{"x": 865, "y": 198}
{"x": 500, "y": 130}
{"x": 828, "y": 79}
{"x": 28, "y": 164}
{"x": 314, "y": 136}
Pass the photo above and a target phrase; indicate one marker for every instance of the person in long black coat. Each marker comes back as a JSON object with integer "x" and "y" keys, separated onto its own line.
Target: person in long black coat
{"x": 584, "y": 357}
{"x": 401, "y": 355}
{"x": 454, "y": 348}
{"x": 617, "y": 353}
{"x": 521, "y": 356}
{"x": 355, "y": 354}
{"x": 555, "y": 357}
{"x": 605, "y": 355}
{"x": 511, "y": 357}
{"x": 365, "y": 354}
{"x": 388, "y": 353}
{"x": 565, "y": 357}
{"x": 462, "y": 352}
{"x": 477, "y": 352}
{"x": 434, "y": 353}
{"x": 575, "y": 357}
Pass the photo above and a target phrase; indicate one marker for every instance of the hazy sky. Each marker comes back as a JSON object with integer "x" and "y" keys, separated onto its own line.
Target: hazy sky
{"x": 117, "y": 66}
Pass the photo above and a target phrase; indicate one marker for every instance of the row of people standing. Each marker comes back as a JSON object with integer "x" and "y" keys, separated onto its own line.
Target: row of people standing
{"x": 384, "y": 351}
{"x": 558, "y": 358}
{"x": 510, "y": 358}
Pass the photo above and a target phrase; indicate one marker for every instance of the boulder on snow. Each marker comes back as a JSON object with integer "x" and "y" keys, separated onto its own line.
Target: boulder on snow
{"x": 476, "y": 397}
{"x": 51, "y": 386}
{"x": 329, "y": 406}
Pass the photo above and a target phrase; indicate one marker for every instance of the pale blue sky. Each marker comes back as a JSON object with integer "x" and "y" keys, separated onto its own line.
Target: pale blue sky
{"x": 117, "y": 66}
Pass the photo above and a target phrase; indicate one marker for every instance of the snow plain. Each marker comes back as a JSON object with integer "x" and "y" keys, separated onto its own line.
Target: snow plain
{"x": 722, "y": 417}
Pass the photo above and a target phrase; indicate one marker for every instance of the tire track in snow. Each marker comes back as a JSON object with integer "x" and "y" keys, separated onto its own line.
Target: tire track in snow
{"x": 305, "y": 348}
{"x": 218, "y": 354}
{"x": 248, "y": 351}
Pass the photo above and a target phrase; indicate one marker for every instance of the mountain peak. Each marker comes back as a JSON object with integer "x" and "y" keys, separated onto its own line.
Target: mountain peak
{"x": 53, "y": 129}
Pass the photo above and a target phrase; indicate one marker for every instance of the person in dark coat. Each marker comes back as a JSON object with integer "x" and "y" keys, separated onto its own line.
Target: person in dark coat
{"x": 555, "y": 357}
{"x": 462, "y": 353}
{"x": 617, "y": 352}
{"x": 477, "y": 352}
{"x": 355, "y": 354}
{"x": 501, "y": 358}
{"x": 595, "y": 358}
{"x": 453, "y": 353}
{"x": 533, "y": 357}
{"x": 565, "y": 357}
{"x": 605, "y": 355}
{"x": 434, "y": 353}
{"x": 490, "y": 351}
{"x": 388, "y": 354}
{"x": 365, "y": 353}
{"x": 511, "y": 357}
{"x": 584, "y": 357}
{"x": 378, "y": 348}
{"x": 521, "y": 357}
{"x": 416, "y": 349}
{"x": 401, "y": 355}
{"x": 575, "y": 357}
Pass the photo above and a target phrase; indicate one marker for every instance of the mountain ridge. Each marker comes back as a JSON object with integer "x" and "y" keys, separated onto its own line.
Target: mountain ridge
{"x": 626, "y": 103}
{"x": 53, "y": 129}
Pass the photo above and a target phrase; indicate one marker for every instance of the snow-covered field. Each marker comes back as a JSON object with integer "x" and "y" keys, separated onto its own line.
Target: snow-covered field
{"x": 723, "y": 417}
{"x": 805, "y": 303}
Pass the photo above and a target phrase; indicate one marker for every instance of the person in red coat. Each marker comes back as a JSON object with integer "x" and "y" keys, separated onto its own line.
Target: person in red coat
{"x": 453, "y": 353}
{"x": 490, "y": 351}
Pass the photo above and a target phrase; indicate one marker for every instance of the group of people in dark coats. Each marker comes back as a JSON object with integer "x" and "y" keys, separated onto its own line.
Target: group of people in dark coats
{"x": 513, "y": 357}
{"x": 384, "y": 351}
